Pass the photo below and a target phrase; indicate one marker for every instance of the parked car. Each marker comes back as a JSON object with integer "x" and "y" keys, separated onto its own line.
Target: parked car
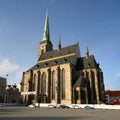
{"x": 88, "y": 107}
{"x": 51, "y": 106}
{"x": 63, "y": 106}
{"x": 76, "y": 106}
{"x": 31, "y": 106}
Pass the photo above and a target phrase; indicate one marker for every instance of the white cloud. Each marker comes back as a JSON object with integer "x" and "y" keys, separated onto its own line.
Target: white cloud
{"x": 12, "y": 69}
{"x": 6, "y": 66}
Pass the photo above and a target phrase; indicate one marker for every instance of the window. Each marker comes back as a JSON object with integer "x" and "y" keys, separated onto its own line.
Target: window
{"x": 38, "y": 85}
{"x": 43, "y": 84}
{"x": 99, "y": 84}
{"x": 63, "y": 84}
{"x": 93, "y": 85}
{"x": 76, "y": 95}
{"x": 34, "y": 83}
{"x": 53, "y": 85}
{"x": 82, "y": 94}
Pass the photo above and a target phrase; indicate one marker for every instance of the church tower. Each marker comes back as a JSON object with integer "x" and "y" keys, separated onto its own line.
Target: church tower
{"x": 45, "y": 44}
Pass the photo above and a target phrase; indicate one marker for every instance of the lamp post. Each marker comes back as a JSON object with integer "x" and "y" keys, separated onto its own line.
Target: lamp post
{"x": 5, "y": 92}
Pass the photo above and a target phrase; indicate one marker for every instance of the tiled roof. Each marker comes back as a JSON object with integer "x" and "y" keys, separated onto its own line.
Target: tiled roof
{"x": 64, "y": 55}
{"x": 113, "y": 93}
{"x": 61, "y": 52}
{"x": 52, "y": 63}
{"x": 86, "y": 63}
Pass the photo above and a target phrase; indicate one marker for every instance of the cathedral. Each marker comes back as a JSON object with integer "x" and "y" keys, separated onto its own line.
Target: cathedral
{"x": 62, "y": 76}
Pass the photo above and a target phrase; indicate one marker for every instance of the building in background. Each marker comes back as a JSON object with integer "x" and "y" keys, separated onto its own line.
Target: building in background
{"x": 12, "y": 94}
{"x": 112, "y": 97}
{"x": 62, "y": 75}
{"x": 3, "y": 83}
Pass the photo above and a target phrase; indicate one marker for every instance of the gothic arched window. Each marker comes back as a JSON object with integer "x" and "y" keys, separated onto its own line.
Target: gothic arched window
{"x": 53, "y": 85}
{"x": 43, "y": 84}
{"x": 93, "y": 85}
{"x": 38, "y": 84}
{"x": 34, "y": 83}
{"x": 63, "y": 84}
{"x": 99, "y": 84}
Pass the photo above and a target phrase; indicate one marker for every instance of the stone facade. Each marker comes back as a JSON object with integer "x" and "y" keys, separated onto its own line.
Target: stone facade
{"x": 12, "y": 94}
{"x": 62, "y": 75}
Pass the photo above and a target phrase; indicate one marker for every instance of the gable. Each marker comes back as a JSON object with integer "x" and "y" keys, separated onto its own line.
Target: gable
{"x": 87, "y": 63}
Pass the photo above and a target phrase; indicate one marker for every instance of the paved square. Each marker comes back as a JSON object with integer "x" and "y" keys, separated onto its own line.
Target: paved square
{"x": 26, "y": 113}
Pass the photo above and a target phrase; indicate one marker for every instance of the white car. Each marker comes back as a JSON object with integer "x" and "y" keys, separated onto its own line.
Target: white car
{"x": 51, "y": 106}
{"x": 31, "y": 106}
{"x": 75, "y": 106}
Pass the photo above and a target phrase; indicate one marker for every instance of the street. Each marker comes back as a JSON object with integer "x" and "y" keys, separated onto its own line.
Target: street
{"x": 26, "y": 113}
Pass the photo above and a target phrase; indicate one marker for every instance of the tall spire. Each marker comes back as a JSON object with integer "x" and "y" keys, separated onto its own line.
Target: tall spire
{"x": 59, "y": 44}
{"x": 45, "y": 45}
{"x": 46, "y": 35}
{"x": 87, "y": 52}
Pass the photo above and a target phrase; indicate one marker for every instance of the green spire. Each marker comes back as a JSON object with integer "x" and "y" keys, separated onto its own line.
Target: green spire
{"x": 46, "y": 35}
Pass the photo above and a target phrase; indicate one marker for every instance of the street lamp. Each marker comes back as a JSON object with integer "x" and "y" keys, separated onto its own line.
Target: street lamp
{"x": 5, "y": 92}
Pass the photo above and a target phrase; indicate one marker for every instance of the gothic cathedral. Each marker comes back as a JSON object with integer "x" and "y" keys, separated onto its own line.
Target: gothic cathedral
{"x": 62, "y": 76}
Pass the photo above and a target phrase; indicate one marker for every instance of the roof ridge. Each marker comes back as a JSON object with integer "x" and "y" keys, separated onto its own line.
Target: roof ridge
{"x": 69, "y": 46}
{"x": 63, "y": 51}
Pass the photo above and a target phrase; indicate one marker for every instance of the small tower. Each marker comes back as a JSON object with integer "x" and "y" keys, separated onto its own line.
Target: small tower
{"x": 45, "y": 44}
{"x": 87, "y": 52}
{"x": 59, "y": 44}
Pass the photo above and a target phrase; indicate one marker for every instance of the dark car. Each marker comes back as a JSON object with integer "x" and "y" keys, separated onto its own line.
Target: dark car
{"x": 64, "y": 106}
{"x": 88, "y": 107}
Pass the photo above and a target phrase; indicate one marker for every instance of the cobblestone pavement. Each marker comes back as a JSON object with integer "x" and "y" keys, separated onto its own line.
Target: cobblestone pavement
{"x": 26, "y": 113}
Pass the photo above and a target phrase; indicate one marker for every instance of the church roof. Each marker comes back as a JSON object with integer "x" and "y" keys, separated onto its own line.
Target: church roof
{"x": 66, "y": 55}
{"x": 57, "y": 57}
{"x": 52, "y": 63}
{"x": 87, "y": 63}
{"x": 61, "y": 52}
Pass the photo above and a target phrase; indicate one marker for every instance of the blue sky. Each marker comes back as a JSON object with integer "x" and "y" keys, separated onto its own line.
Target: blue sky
{"x": 95, "y": 23}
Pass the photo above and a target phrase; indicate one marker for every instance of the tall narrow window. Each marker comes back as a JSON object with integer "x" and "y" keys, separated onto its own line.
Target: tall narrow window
{"x": 63, "y": 84}
{"x": 53, "y": 85}
{"x": 76, "y": 95}
{"x": 34, "y": 83}
{"x": 99, "y": 84}
{"x": 93, "y": 85}
{"x": 38, "y": 85}
{"x": 43, "y": 84}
